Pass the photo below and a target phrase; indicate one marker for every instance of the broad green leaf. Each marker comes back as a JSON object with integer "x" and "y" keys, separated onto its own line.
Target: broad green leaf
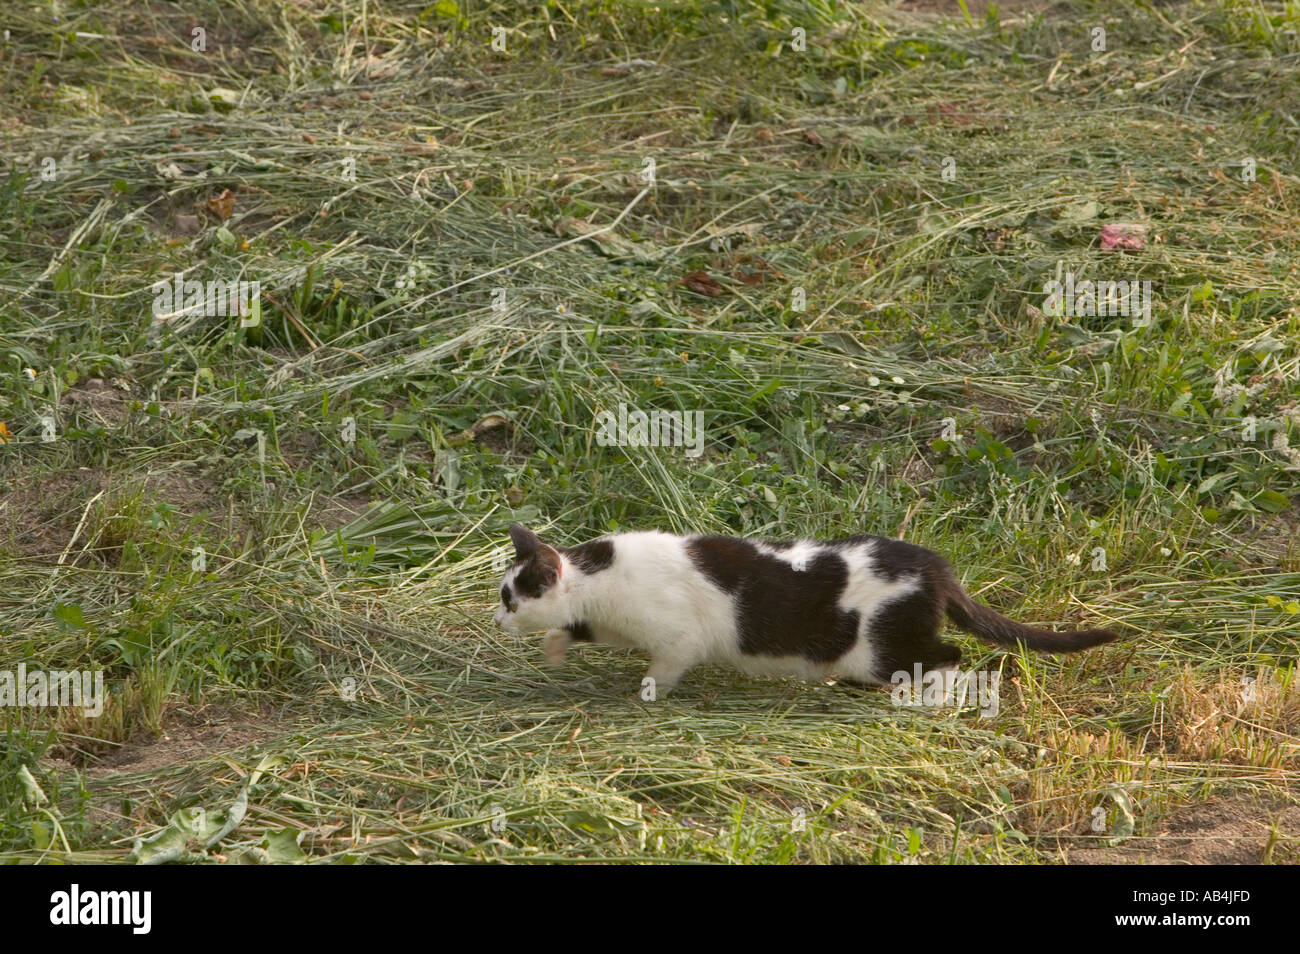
{"x": 1271, "y": 501}
{"x": 282, "y": 846}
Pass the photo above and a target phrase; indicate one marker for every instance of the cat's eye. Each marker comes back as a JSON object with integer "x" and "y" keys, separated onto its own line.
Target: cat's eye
{"x": 505, "y": 599}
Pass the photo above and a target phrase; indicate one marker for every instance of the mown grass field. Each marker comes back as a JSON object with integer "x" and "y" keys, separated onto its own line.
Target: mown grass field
{"x": 278, "y": 541}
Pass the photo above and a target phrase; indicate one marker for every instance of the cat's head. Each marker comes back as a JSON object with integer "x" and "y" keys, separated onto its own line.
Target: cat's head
{"x": 532, "y": 599}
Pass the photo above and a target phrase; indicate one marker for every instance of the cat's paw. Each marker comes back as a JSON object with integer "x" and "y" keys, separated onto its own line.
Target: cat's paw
{"x": 555, "y": 646}
{"x": 652, "y": 690}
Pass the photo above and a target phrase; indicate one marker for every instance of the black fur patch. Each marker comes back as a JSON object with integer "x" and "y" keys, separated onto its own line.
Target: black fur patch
{"x": 592, "y": 557}
{"x": 780, "y": 611}
{"x": 538, "y": 572}
{"x": 892, "y": 558}
{"x": 581, "y": 632}
{"x": 907, "y": 631}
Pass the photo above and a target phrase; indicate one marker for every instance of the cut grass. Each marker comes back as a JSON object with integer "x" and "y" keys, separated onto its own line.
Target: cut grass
{"x": 437, "y": 339}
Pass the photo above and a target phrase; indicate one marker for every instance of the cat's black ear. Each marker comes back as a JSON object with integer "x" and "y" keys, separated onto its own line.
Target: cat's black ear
{"x": 525, "y": 541}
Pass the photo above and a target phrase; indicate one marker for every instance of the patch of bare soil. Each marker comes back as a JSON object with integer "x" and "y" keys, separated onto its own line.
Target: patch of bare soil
{"x": 299, "y": 448}
{"x": 163, "y": 34}
{"x": 187, "y": 737}
{"x": 192, "y": 493}
{"x": 1219, "y": 832}
{"x": 334, "y": 511}
{"x": 39, "y": 515}
{"x": 1277, "y": 538}
{"x": 977, "y": 8}
{"x": 99, "y": 403}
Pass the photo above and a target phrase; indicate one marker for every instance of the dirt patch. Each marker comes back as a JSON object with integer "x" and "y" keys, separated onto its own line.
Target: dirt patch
{"x": 977, "y": 8}
{"x": 1277, "y": 540}
{"x": 162, "y": 34}
{"x": 1219, "y": 832}
{"x": 200, "y": 499}
{"x": 190, "y": 493}
{"x": 40, "y": 514}
{"x": 99, "y": 403}
{"x": 332, "y": 512}
{"x": 300, "y": 448}
{"x": 187, "y": 737}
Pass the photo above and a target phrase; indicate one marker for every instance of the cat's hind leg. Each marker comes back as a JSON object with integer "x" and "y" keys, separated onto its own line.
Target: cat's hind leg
{"x": 933, "y": 655}
{"x": 866, "y": 668}
{"x": 662, "y": 677}
{"x": 942, "y": 655}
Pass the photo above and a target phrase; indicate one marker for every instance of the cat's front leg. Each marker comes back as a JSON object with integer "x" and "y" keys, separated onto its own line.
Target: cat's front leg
{"x": 555, "y": 645}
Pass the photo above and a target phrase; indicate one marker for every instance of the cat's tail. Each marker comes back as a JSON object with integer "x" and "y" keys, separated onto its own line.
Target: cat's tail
{"x": 989, "y": 624}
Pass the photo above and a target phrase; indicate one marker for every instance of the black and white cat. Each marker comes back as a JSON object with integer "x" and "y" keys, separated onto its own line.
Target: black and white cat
{"x": 859, "y": 609}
